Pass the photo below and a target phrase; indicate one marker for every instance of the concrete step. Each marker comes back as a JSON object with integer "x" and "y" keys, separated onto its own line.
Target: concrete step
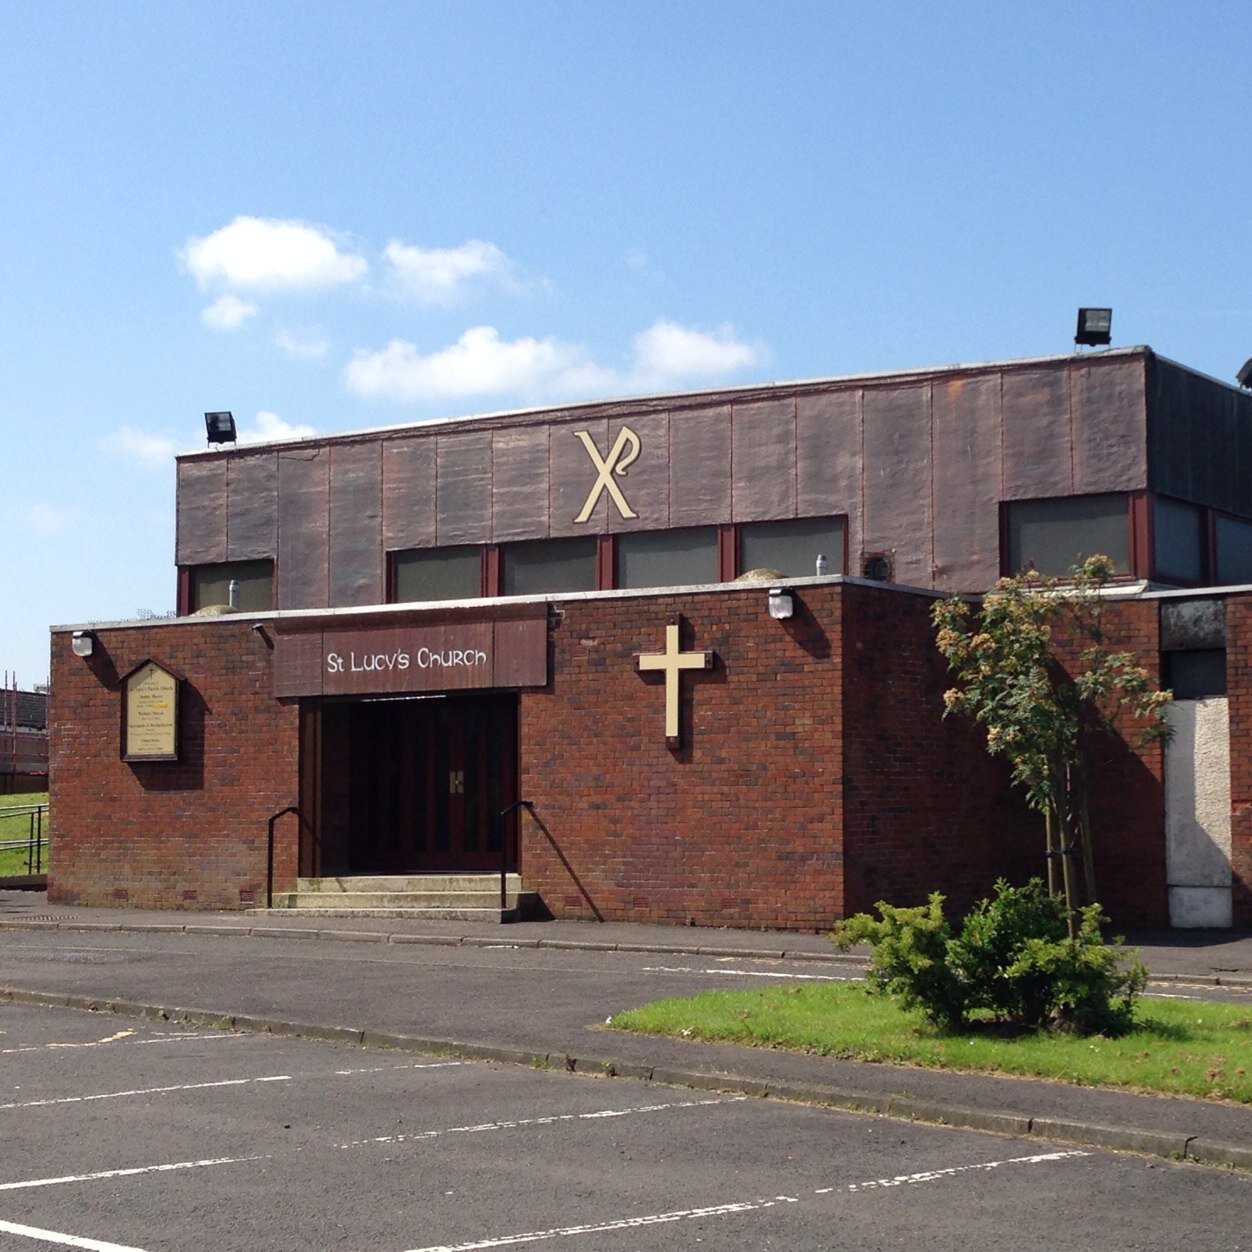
{"x": 431, "y": 897}
{"x": 404, "y": 883}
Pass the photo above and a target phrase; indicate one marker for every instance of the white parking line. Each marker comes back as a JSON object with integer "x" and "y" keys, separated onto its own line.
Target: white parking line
{"x": 122, "y": 1037}
{"x": 66, "y": 1241}
{"x": 739, "y": 1206}
{"x": 145, "y": 1091}
{"x": 413, "y": 1137}
{"x": 750, "y": 973}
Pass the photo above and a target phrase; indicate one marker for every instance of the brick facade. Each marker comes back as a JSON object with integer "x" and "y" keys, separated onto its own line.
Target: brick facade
{"x": 815, "y": 774}
{"x": 185, "y": 834}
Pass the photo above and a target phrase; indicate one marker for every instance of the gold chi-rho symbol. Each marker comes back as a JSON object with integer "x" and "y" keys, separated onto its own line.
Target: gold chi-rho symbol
{"x": 622, "y": 455}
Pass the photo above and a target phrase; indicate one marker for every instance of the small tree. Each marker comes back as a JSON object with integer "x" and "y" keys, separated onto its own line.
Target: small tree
{"x": 1042, "y": 712}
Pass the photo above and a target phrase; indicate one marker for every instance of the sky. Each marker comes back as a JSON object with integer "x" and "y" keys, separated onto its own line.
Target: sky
{"x": 328, "y": 217}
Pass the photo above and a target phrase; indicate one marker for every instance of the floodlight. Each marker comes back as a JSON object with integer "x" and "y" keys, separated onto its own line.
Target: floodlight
{"x": 1245, "y": 374}
{"x": 1094, "y": 327}
{"x": 220, "y": 427}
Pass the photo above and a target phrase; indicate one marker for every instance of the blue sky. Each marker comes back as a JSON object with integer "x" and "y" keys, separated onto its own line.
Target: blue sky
{"x": 329, "y": 217}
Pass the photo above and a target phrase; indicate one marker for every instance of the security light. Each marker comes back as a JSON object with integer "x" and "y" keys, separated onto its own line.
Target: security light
{"x": 1245, "y": 374}
{"x": 83, "y": 643}
{"x": 220, "y": 427}
{"x": 1094, "y": 327}
{"x": 781, "y": 603}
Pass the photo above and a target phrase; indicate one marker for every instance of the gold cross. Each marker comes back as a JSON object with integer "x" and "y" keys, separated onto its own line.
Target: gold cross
{"x": 672, "y": 662}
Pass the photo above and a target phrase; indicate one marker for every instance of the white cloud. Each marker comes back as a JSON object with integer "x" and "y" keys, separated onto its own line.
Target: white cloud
{"x": 268, "y": 427}
{"x": 270, "y": 254}
{"x": 227, "y": 313}
{"x": 480, "y": 363}
{"x": 440, "y": 275}
{"x": 130, "y": 444}
{"x": 302, "y": 345}
{"x": 45, "y": 520}
{"x": 667, "y": 352}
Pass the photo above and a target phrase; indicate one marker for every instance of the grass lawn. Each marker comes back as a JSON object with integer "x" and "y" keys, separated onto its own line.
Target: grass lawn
{"x": 16, "y": 825}
{"x": 1192, "y": 1047}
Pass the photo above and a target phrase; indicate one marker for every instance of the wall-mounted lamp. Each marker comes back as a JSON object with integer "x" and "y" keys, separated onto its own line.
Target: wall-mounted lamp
{"x": 83, "y": 643}
{"x": 782, "y": 603}
{"x": 1095, "y": 327}
{"x": 1244, "y": 376}
{"x": 264, "y": 634}
{"x": 220, "y": 427}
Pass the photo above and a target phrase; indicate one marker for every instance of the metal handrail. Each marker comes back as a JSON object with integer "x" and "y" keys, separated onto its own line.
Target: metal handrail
{"x": 34, "y": 841}
{"x": 504, "y": 846}
{"x": 269, "y": 862}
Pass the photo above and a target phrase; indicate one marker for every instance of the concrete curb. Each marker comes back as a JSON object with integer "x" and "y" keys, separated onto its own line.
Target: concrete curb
{"x": 1176, "y": 1145}
{"x": 482, "y": 941}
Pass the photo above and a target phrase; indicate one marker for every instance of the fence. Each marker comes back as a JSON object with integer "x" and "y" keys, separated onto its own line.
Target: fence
{"x": 23, "y": 840}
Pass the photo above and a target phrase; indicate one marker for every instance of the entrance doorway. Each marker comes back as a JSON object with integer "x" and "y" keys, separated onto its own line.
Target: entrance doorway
{"x": 410, "y": 786}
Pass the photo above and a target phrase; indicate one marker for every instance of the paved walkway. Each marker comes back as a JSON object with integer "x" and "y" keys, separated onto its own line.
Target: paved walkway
{"x": 1171, "y": 1127}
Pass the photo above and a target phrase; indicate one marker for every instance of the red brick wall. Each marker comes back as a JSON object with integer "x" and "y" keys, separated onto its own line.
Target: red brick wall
{"x": 926, "y": 808}
{"x": 1128, "y": 792}
{"x": 185, "y": 834}
{"x": 738, "y": 827}
{"x": 1239, "y": 689}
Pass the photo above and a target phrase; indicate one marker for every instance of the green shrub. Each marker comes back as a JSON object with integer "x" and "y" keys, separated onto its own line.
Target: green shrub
{"x": 1012, "y": 963}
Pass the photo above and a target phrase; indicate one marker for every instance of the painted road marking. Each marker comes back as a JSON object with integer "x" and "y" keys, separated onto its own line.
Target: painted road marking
{"x": 413, "y": 1137}
{"x": 66, "y": 1241}
{"x": 145, "y": 1091}
{"x": 30, "y": 1184}
{"x": 120, "y": 1037}
{"x": 739, "y": 1206}
{"x": 224, "y": 1082}
{"x": 750, "y": 973}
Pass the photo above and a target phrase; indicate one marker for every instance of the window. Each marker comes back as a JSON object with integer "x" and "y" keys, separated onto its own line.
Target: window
{"x": 210, "y": 585}
{"x": 1196, "y": 674}
{"x": 667, "y": 558}
{"x": 437, "y": 574}
{"x": 1178, "y": 535}
{"x": 1234, "y": 551}
{"x": 792, "y": 548}
{"x": 1052, "y": 536}
{"x": 549, "y": 565}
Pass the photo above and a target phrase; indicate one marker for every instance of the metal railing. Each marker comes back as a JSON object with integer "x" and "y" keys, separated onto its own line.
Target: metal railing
{"x": 35, "y": 841}
{"x": 269, "y": 853}
{"x": 504, "y": 846}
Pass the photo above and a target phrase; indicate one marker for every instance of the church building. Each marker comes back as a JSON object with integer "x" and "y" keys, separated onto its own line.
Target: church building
{"x": 665, "y": 659}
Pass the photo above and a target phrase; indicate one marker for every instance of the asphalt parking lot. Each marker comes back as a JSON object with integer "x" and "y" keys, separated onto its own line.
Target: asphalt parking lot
{"x": 132, "y": 1135}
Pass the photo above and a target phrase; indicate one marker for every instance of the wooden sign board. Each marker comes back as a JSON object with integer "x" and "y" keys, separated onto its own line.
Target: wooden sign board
{"x": 150, "y": 700}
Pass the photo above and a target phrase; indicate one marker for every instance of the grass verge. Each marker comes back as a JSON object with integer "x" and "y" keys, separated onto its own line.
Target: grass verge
{"x": 15, "y": 825}
{"x": 1194, "y": 1047}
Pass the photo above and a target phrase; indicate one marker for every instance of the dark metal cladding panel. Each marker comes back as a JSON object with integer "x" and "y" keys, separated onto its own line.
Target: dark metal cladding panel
{"x": 967, "y": 454}
{"x": 1170, "y": 434}
{"x": 463, "y": 490}
{"x": 298, "y": 665}
{"x": 897, "y": 480}
{"x": 700, "y": 466}
{"x": 828, "y": 458}
{"x": 519, "y": 483}
{"x": 356, "y": 502}
{"x": 409, "y": 494}
{"x": 201, "y": 512}
{"x": 252, "y": 504}
{"x": 303, "y": 503}
{"x": 763, "y": 459}
{"x": 645, "y": 485}
{"x": 521, "y": 653}
{"x": 1188, "y": 624}
{"x": 1038, "y": 456}
{"x": 1110, "y": 436}
{"x": 574, "y": 475}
